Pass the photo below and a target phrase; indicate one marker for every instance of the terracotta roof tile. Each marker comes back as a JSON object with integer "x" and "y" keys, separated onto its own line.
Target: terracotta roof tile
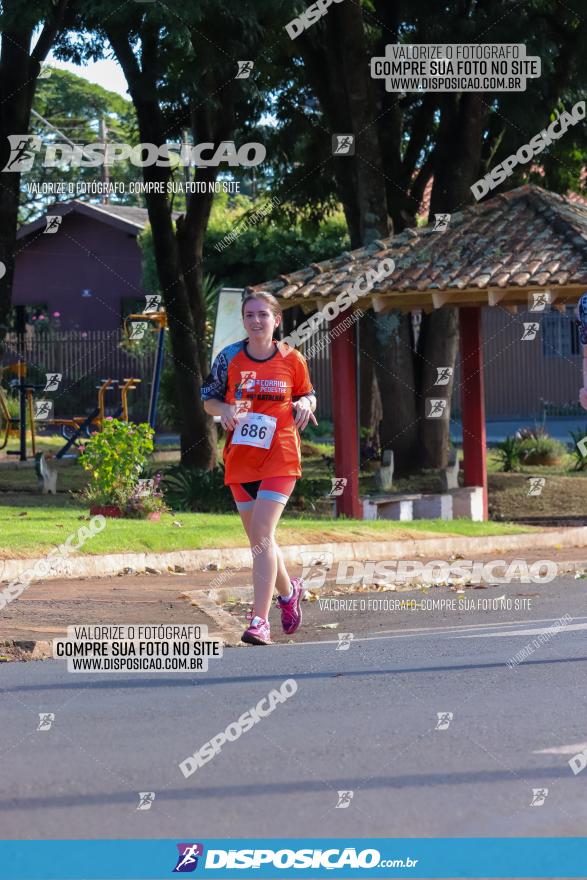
{"x": 527, "y": 236}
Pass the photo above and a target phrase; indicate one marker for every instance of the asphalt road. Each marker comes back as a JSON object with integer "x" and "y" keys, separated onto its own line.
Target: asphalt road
{"x": 363, "y": 720}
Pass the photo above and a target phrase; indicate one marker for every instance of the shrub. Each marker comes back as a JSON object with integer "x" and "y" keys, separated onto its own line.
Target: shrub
{"x": 309, "y": 490}
{"x": 530, "y": 446}
{"x": 541, "y": 450}
{"x": 580, "y": 459}
{"x": 144, "y": 501}
{"x": 324, "y": 428}
{"x": 115, "y": 458}
{"x": 510, "y": 454}
{"x": 197, "y": 490}
{"x": 535, "y": 433}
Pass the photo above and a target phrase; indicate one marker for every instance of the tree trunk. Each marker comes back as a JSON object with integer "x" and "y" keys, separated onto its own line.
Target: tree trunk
{"x": 394, "y": 366}
{"x": 198, "y": 448}
{"x": 337, "y": 65}
{"x": 19, "y": 69}
{"x": 370, "y": 400}
{"x": 458, "y": 158}
{"x": 191, "y": 227}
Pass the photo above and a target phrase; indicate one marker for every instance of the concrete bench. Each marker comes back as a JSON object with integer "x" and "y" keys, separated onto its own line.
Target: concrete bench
{"x": 465, "y": 502}
{"x": 399, "y": 507}
{"x": 434, "y": 507}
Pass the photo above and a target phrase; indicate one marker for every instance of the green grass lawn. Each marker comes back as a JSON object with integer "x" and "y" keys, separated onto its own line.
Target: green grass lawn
{"x": 48, "y": 520}
{"x": 31, "y": 530}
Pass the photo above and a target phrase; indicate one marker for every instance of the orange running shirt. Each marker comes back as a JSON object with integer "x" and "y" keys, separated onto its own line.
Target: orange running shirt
{"x": 270, "y": 386}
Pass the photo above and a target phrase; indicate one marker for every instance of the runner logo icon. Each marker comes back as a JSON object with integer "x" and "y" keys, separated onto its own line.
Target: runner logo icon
{"x": 187, "y": 859}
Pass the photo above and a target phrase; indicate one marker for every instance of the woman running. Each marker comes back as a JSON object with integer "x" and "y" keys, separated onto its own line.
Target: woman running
{"x": 263, "y": 396}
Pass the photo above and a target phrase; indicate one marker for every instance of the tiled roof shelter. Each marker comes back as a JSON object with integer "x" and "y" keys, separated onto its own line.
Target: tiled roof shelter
{"x": 498, "y": 251}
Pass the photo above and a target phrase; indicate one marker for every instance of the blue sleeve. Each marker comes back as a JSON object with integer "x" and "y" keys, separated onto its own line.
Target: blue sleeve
{"x": 216, "y": 384}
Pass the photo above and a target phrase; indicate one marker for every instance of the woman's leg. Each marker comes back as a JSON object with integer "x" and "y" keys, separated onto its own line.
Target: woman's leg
{"x": 267, "y": 559}
{"x": 282, "y": 581}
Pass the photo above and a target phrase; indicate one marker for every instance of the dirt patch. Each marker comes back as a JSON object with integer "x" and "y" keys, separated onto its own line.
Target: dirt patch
{"x": 559, "y": 497}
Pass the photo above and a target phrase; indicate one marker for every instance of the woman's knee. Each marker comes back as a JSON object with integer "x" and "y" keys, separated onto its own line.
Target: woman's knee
{"x": 262, "y": 544}
{"x": 262, "y": 537}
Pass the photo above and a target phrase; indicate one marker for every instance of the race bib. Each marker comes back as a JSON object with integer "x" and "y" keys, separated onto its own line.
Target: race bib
{"x": 255, "y": 429}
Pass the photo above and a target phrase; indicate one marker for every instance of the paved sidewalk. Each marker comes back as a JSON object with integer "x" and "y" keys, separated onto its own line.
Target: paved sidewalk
{"x": 220, "y": 600}
{"x": 47, "y": 608}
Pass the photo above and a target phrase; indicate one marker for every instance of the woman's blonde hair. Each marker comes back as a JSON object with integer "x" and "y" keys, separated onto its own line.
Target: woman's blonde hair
{"x": 265, "y": 297}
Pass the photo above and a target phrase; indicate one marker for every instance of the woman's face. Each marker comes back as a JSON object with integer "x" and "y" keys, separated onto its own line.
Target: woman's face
{"x": 259, "y": 321}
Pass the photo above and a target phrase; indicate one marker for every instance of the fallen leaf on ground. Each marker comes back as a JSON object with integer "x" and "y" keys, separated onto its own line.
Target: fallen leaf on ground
{"x": 328, "y": 625}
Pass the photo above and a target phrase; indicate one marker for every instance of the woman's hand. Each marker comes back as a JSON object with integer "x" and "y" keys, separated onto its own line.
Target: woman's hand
{"x": 303, "y": 413}
{"x": 228, "y": 418}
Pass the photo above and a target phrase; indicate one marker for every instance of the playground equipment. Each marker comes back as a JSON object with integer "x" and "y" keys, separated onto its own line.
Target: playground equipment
{"x": 17, "y": 426}
{"x": 71, "y": 428}
{"x": 74, "y": 428}
{"x": 159, "y": 318}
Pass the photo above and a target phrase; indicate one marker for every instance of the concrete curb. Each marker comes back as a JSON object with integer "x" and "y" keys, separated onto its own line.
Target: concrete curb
{"x": 240, "y": 557}
{"x": 230, "y": 629}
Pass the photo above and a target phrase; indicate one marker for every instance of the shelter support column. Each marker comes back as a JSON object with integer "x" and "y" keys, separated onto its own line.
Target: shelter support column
{"x": 473, "y": 400}
{"x": 343, "y": 353}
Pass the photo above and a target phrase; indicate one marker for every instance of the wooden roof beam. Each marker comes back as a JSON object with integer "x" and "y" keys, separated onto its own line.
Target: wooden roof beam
{"x": 439, "y": 299}
{"x": 495, "y": 296}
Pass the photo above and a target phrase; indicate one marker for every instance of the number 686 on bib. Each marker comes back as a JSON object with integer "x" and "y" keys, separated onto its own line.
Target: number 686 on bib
{"x": 255, "y": 429}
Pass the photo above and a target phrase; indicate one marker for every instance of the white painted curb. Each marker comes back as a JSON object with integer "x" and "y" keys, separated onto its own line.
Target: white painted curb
{"x": 240, "y": 557}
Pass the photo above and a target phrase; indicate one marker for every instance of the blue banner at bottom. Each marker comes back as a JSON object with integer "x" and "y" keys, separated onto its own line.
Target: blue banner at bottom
{"x": 226, "y": 859}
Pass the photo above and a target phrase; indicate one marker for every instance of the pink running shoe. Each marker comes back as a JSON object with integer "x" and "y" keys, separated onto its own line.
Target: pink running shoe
{"x": 291, "y": 612}
{"x": 258, "y": 632}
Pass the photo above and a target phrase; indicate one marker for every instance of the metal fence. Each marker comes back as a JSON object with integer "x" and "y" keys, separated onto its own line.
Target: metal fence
{"x": 84, "y": 358}
{"x": 523, "y": 379}
{"x": 528, "y": 379}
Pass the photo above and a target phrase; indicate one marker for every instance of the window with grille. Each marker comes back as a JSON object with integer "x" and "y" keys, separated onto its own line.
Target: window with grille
{"x": 560, "y": 337}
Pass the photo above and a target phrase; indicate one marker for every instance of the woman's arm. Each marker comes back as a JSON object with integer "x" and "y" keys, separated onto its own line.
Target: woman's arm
{"x": 226, "y": 411}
